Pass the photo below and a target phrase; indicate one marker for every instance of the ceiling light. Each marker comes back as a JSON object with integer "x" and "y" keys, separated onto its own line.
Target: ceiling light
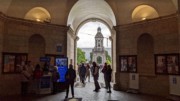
{"x": 38, "y": 20}
{"x": 143, "y": 18}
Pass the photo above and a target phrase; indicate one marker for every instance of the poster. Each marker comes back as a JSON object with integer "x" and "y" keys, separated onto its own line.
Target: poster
{"x": 9, "y": 63}
{"x": 161, "y": 64}
{"x": 132, "y": 66}
{"x": 62, "y": 64}
{"x": 167, "y": 64}
{"x": 128, "y": 63}
{"x": 13, "y": 62}
{"x": 172, "y": 64}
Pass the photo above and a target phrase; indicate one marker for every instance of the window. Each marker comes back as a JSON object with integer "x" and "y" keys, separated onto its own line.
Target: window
{"x": 98, "y": 45}
{"x": 12, "y": 62}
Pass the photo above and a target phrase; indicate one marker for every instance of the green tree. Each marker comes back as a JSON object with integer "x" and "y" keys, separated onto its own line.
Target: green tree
{"x": 80, "y": 56}
{"x": 108, "y": 58}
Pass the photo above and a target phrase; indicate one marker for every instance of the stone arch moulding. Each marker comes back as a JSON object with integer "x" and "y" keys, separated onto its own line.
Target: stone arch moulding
{"x": 145, "y": 35}
{"x": 38, "y": 14}
{"x": 144, "y": 12}
{"x": 86, "y": 9}
{"x": 92, "y": 20}
{"x": 37, "y": 36}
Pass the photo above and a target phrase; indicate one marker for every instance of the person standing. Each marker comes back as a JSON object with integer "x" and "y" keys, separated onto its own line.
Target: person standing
{"x": 95, "y": 71}
{"x": 104, "y": 70}
{"x": 70, "y": 79}
{"x": 37, "y": 74}
{"x": 25, "y": 76}
{"x": 88, "y": 72}
{"x": 108, "y": 78}
{"x": 29, "y": 67}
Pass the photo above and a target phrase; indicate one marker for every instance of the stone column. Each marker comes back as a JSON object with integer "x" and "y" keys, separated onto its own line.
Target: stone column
{"x": 71, "y": 45}
{"x": 75, "y": 52}
{"x": 115, "y": 74}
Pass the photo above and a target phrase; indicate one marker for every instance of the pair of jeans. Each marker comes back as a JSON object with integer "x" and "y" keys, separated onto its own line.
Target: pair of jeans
{"x": 96, "y": 83}
{"x": 72, "y": 89}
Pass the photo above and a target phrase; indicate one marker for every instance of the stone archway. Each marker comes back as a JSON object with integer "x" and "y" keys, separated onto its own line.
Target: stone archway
{"x": 73, "y": 38}
{"x": 87, "y": 10}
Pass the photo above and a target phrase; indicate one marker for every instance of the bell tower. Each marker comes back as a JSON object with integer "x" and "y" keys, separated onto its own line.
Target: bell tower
{"x": 99, "y": 55}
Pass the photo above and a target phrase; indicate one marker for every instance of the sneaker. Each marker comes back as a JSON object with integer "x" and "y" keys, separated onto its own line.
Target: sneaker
{"x": 95, "y": 90}
{"x": 108, "y": 91}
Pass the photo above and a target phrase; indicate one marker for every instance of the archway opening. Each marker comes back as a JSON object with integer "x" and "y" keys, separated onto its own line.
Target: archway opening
{"x": 99, "y": 60}
{"x": 92, "y": 44}
{"x": 95, "y": 43}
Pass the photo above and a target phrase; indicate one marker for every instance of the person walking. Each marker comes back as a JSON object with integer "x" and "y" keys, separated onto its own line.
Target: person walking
{"x": 104, "y": 70}
{"x": 88, "y": 72}
{"x": 82, "y": 73}
{"x": 95, "y": 71}
{"x": 70, "y": 79}
{"x": 108, "y": 78}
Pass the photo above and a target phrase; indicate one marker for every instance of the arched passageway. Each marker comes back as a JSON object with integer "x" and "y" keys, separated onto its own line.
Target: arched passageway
{"x": 98, "y": 10}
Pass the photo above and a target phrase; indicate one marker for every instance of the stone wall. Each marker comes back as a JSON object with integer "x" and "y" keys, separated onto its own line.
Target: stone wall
{"x": 15, "y": 37}
{"x": 164, "y": 33}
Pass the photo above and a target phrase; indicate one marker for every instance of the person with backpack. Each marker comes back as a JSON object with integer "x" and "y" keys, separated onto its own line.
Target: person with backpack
{"x": 70, "y": 77}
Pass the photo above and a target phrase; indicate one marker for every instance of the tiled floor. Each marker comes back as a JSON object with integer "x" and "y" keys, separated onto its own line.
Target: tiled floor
{"x": 87, "y": 94}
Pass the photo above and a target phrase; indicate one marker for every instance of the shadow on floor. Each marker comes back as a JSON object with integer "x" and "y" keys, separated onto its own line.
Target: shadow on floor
{"x": 73, "y": 99}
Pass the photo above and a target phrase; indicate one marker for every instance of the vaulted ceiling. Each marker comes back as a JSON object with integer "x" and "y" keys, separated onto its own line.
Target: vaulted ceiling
{"x": 74, "y": 12}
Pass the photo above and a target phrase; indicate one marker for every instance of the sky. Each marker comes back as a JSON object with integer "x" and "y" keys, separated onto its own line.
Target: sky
{"x": 87, "y": 33}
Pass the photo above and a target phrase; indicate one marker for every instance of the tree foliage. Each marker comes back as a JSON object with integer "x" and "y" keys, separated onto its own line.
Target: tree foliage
{"x": 80, "y": 56}
{"x": 108, "y": 58}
